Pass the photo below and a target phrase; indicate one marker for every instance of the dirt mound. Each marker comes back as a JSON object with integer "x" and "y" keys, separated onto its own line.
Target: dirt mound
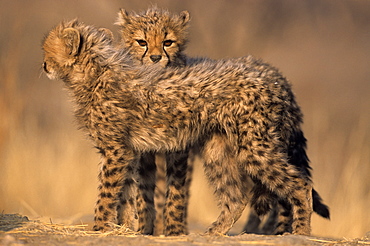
{"x": 16, "y": 229}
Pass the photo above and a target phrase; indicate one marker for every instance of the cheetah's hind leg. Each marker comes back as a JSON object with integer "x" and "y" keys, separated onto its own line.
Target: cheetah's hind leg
{"x": 229, "y": 181}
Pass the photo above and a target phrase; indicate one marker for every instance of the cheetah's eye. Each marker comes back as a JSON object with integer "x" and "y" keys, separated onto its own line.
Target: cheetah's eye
{"x": 141, "y": 42}
{"x": 167, "y": 43}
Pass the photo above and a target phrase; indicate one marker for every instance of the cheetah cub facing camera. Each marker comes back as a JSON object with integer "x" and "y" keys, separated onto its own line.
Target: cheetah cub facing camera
{"x": 152, "y": 31}
{"x": 236, "y": 115}
{"x": 150, "y": 44}
{"x": 156, "y": 36}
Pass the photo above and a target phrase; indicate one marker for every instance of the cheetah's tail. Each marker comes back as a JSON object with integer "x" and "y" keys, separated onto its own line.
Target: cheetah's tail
{"x": 320, "y": 208}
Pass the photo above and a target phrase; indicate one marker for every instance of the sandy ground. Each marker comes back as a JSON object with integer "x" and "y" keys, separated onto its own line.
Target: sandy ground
{"x": 16, "y": 229}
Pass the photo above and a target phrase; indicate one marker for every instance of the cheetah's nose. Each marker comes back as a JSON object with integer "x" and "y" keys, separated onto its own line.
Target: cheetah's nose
{"x": 155, "y": 58}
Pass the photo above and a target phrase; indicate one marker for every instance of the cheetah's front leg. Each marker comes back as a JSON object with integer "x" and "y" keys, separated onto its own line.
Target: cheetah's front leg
{"x": 116, "y": 181}
{"x": 174, "y": 211}
{"x": 145, "y": 194}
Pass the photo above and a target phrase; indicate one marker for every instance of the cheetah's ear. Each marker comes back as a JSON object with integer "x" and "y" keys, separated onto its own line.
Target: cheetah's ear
{"x": 123, "y": 18}
{"x": 71, "y": 38}
{"x": 108, "y": 33}
{"x": 185, "y": 17}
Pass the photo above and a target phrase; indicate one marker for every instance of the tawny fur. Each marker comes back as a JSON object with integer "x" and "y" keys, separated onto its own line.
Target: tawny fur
{"x": 236, "y": 114}
{"x": 152, "y": 26}
{"x": 156, "y": 36}
{"x": 150, "y": 44}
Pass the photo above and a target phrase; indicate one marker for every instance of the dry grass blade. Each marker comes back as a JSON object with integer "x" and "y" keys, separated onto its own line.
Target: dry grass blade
{"x": 257, "y": 243}
{"x": 323, "y": 240}
{"x": 339, "y": 241}
{"x": 363, "y": 242}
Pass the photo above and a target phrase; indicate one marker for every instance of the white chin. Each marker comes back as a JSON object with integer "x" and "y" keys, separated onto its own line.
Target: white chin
{"x": 52, "y": 76}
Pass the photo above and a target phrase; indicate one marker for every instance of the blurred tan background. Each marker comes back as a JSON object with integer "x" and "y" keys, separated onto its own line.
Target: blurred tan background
{"x": 48, "y": 168}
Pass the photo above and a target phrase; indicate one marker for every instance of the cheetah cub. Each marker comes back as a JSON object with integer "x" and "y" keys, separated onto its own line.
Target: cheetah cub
{"x": 156, "y": 36}
{"x": 150, "y": 44}
{"x": 155, "y": 28}
{"x": 235, "y": 114}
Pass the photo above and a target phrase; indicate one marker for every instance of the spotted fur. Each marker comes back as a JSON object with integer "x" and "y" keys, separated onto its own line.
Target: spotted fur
{"x": 153, "y": 45}
{"x": 235, "y": 113}
{"x": 156, "y": 36}
{"x": 152, "y": 27}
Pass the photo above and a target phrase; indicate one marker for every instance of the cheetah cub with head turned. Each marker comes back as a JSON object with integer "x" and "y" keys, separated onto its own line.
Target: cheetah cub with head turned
{"x": 158, "y": 31}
